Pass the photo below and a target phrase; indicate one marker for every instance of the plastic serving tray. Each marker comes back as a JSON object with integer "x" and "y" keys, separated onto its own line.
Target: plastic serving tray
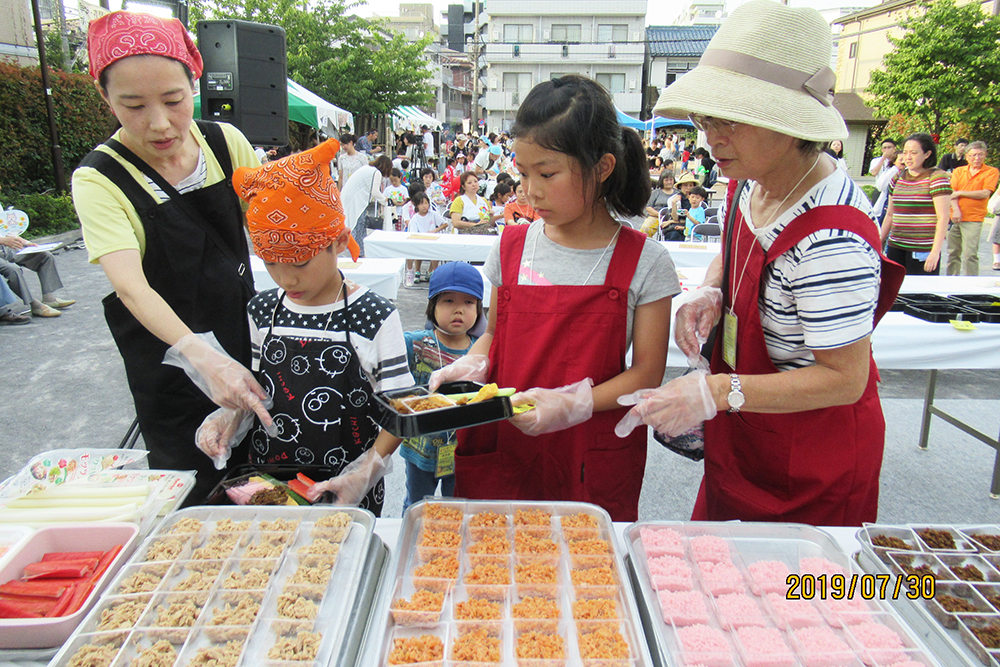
{"x": 943, "y": 312}
{"x": 948, "y": 634}
{"x": 702, "y": 545}
{"x": 441, "y": 419}
{"x": 239, "y": 580}
{"x": 36, "y": 633}
{"x": 390, "y": 623}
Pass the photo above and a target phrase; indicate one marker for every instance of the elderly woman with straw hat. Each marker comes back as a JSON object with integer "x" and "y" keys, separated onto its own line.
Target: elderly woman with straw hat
{"x": 793, "y": 426}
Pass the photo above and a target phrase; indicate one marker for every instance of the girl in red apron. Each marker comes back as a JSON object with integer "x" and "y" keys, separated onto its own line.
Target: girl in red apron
{"x": 571, "y": 292}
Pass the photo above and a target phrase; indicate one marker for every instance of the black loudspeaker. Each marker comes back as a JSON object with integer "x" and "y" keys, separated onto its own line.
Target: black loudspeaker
{"x": 245, "y": 78}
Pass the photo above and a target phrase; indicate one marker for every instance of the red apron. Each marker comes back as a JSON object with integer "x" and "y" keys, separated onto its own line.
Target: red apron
{"x": 551, "y": 336}
{"x": 819, "y": 467}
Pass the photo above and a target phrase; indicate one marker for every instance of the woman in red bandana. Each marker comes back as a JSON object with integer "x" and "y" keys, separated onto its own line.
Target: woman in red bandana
{"x": 159, "y": 216}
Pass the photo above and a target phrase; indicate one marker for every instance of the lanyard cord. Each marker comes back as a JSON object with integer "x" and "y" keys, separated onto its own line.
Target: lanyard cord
{"x": 534, "y": 245}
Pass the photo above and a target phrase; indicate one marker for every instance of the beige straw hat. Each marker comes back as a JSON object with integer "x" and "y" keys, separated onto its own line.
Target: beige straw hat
{"x": 768, "y": 66}
{"x": 686, "y": 177}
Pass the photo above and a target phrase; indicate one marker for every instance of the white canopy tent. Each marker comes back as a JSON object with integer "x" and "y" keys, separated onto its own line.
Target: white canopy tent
{"x": 411, "y": 118}
{"x": 330, "y": 118}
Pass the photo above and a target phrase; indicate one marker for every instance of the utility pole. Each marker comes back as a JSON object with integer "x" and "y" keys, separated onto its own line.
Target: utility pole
{"x": 57, "y": 161}
{"x": 475, "y": 67}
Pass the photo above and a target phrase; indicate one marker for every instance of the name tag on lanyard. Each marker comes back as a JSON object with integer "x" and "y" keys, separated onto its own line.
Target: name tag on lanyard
{"x": 445, "y": 461}
{"x": 729, "y": 327}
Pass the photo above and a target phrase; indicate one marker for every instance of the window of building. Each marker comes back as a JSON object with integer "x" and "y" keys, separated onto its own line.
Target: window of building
{"x": 556, "y": 75}
{"x": 566, "y": 32}
{"x": 517, "y": 81}
{"x": 517, "y": 32}
{"x": 612, "y": 32}
{"x": 615, "y": 83}
{"x": 852, "y": 50}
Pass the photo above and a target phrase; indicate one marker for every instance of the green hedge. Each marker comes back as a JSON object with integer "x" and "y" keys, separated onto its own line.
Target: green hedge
{"x": 47, "y": 214}
{"x": 82, "y": 118}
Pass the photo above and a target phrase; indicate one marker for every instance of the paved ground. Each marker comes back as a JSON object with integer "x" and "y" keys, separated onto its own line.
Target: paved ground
{"x": 64, "y": 386}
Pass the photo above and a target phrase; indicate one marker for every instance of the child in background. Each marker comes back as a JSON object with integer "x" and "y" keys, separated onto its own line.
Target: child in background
{"x": 501, "y": 194}
{"x": 423, "y": 221}
{"x": 397, "y": 195}
{"x": 518, "y": 211}
{"x": 696, "y": 213}
{"x": 433, "y": 189}
{"x": 454, "y": 321}
{"x": 572, "y": 292}
{"x": 322, "y": 345}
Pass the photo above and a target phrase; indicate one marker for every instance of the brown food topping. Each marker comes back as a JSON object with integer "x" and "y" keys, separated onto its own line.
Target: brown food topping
{"x": 954, "y": 604}
{"x": 279, "y": 524}
{"x": 336, "y": 520}
{"x": 218, "y": 656}
{"x": 991, "y": 542}
{"x": 160, "y": 654}
{"x": 230, "y": 526}
{"x": 891, "y": 543}
{"x": 988, "y": 635}
{"x": 273, "y": 496}
{"x": 937, "y": 539}
{"x": 178, "y": 615}
{"x": 305, "y": 646}
{"x": 186, "y": 525}
{"x": 993, "y": 600}
{"x": 89, "y": 655}
{"x": 968, "y": 573}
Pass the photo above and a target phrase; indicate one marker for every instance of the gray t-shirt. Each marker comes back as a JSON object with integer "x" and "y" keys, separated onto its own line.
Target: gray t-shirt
{"x": 545, "y": 262}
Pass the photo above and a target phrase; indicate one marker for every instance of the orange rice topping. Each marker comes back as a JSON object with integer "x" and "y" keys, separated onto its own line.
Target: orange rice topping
{"x": 535, "y": 608}
{"x": 493, "y": 544}
{"x": 532, "y": 518}
{"x": 424, "y": 648}
{"x": 535, "y": 573}
{"x": 595, "y": 576}
{"x": 421, "y": 601}
{"x": 598, "y": 608}
{"x": 594, "y": 547}
{"x": 603, "y": 643}
{"x": 579, "y": 520}
{"x": 476, "y": 647}
{"x": 475, "y": 609}
{"x": 435, "y": 512}
{"x": 488, "y": 520}
{"x": 441, "y": 538}
{"x": 444, "y": 567}
{"x": 538, "y": 645}
{"x": 488, "y": 574}
{"x": 525, "y": 543}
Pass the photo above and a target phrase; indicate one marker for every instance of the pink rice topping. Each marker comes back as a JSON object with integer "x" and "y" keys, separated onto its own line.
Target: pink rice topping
{"x": 821, "y": 640}
{"x": 818, "y": 566}
{"x": 670, "y": 573}
{"x": 764, "y": 647}
{"x": 874, "y": 635}
{"x": 769, "y": 571}
{"x": 661, "y": 542}
{"x": 739, "y": 605}
{"x": 796, "y": 613}
{"x": 684, "y": 607}
{"x": 703, "y": 639}
{"x": 721, "y": 577}
{"x": 709, "y": 547}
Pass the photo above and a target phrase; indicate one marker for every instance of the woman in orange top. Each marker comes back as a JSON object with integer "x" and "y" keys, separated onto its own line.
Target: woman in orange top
{"x": 518, "y": 211}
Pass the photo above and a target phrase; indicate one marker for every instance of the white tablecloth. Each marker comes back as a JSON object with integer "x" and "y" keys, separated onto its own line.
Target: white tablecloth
{"x": 382, "y": 276}
{"x": 903, "y": 341}
{"x": 694, "y": 255}
{"x": 447, "y": 247}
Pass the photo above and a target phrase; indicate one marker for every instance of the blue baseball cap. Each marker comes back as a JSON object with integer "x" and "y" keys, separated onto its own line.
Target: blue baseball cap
{"x": 496, "y": 150}
{"x": 456, "y": 277}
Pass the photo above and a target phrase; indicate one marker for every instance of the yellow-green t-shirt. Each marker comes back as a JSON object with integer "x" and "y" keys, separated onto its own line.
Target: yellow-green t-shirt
{"x": 110, "y": 222}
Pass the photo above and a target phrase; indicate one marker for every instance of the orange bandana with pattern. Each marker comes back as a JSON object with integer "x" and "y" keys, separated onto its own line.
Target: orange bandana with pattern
{"x": 295, "y": 209}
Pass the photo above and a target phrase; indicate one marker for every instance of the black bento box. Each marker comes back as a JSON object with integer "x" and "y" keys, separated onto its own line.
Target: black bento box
{"x": 444, "y": 418}
{"x": 941, "y": 312}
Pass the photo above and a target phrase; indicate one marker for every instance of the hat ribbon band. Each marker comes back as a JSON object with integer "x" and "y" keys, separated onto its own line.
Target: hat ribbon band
{"x": 819, "y": 85}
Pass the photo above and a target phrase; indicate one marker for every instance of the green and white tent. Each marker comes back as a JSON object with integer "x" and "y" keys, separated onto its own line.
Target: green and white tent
{"x": 308, "y": 108}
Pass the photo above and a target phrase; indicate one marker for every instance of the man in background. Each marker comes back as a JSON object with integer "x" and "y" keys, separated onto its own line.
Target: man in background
{"x": 952, "y": 161}
{"x": 971, "y": 187}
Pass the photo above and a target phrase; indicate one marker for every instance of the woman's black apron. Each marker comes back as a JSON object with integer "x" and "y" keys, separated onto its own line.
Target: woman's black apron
{"x": 197, "y": 259}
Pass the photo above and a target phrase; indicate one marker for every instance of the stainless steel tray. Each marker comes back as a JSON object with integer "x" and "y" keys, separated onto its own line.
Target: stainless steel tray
{"x": 398, "y": 582}
{"x": 342, "y": 604}
{"x": 750, "y": 543}
{"x": 948, "y": 643}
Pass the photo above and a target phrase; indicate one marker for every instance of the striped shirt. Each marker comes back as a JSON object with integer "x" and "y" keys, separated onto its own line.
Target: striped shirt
{"x": 913, "y": 216}
{"x": 821, "y": 293}
{"x": 375, "y": 327}
{"x": 194, "y": 181}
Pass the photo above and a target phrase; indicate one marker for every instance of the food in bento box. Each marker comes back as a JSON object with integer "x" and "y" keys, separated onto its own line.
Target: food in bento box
{"x": 534, "y": 517}
{"x": 769, "y": 576}
{"x": 590, "y": 547}
{"x": 418, "y": 607}
{"x": 847, "y": 611}
{"x": 820, "y": 566}
{"x": 535, "y": 573}
{"x": 475, "y": 609}
{"x": 335, "y": 520}
{"x": 166, "y": 549}
{"x": 739, "y": 609}
{"x": 487, "y": 573}
{"x": 992, "y": 598}
{"x": 701, "y": 643}
{"x": 218, "y": 656}
{"x": 230, "y": 526}
{"x": 90, "y": 655}
{"x": 764, "y": 647}
{"x": 683, "y": 607}
{"x": 721, "y": 578}
{"x": 410, "y": 650}
{"x": 490, "y": 544}
{"x": 594, "y": 576}
{"x": 937, "y": 539}
{"x": 595, "y": 609}
{"x": 252, "y": 578}
{"x": 668, "y": 573}
{"x": 198, "y": 581}
{"x": 267, "y": 545}
{"x": 181, "y": 614}
{"x": 160, "y": 654}
{"x": 243, "y": 613}
{"x": 533, "y": 607}
{"x": 124, "y": 614}
{"x": 442, "y": 513}
{"x": 485, "y": 393}
{"x": 988, "y": 635}
{"x": 476, "y": 647}
{"x": 603, "y": 643}
{"x": 540, "y": 646}
{"x": 488, "y": 520}
{"x": 890, "y": 542}
{"x": 407, "y": 405}
{"x": 710, "y": 548}
{"x": 661, "y": 542}
{"x": 305, "y": 574}
{"x": 991, "y": 542}
{"x": 820, "y": 641}
{"x": 185, "y": 525}
{"x": 526, "y": 543}
{"x": 218, "y": 547}
{"x": 284, "y": 525}
{"x": 968, "y": 572}
{"x": 441, "y": 539}
{"x": 955, "y": 605}
{"x": 796, "y": 613}
{"x": 304, "y": 646}
{"x": 322, "y": 547}
{"x": 142, "y": 581}
{"x": 291, "y": 605}
{"x": 578, "y": 520}
{"x": 443, "y": 567}
{"x": 879, "y": 639}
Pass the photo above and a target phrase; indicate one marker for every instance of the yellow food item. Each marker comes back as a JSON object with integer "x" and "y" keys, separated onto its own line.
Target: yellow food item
{"x": 486, "y": 393}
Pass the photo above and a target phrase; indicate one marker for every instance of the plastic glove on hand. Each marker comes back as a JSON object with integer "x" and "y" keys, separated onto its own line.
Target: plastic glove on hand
{"x": 354, "y": 481}
{"x": 223, "y": 379}
{"x": 555, "y": 409}
{"x": 697, "y": 315}
{"x": 471, "y": 367}
{"x": 221, "y": 431}
{"x": 672, "y": 409}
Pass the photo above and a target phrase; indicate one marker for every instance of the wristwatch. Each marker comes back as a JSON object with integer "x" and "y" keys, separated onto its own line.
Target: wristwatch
{"x": 735, "y": 397}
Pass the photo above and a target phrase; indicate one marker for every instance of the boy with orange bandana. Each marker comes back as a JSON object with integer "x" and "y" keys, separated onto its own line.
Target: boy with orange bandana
{"x": 322, "y": 345}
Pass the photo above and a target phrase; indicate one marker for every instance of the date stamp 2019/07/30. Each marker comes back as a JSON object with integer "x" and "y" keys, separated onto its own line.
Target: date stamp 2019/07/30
{"x": 865, "y": 586}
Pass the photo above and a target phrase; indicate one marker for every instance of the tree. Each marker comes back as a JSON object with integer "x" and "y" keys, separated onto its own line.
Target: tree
{"x": 350, "y": 61}
{"x": 944, "y": 69}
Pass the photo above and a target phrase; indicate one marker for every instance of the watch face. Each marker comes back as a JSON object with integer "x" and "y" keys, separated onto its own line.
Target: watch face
{"x": 735, "y": 399}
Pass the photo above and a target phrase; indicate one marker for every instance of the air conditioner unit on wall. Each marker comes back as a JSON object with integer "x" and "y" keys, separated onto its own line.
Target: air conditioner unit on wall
{"x": 494, "y": 84}
{"x": 631, "y": 84}
{"x": 496, "y": 35}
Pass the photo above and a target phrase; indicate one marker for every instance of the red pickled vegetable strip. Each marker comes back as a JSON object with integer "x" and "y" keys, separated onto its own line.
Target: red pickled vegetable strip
{"x": 298, "y": 487}
{"x": 106, "y": 561}
{"x": 45, "y": 588}
{"x": 63, "y": 568}
{"x": 29, "y": 604}
{"x": 80, "y": 595}
{"x": 8, "y": 610}
{"x": 72, "y": 555}
{"x": 60, "y": 607}
{"x": 305, "y": 480}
